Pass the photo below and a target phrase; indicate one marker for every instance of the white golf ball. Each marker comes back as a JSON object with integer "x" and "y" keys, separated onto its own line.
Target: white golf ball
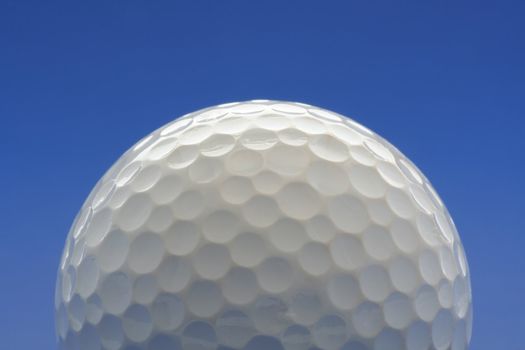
{"x": 263, "y": 225}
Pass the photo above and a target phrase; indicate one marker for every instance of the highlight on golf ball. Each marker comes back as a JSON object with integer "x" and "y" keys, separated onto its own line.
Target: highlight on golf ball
{"x": 263, "y": 225}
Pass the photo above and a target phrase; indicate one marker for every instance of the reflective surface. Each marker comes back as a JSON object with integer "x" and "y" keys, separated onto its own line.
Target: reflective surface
{"x": 263, "y": 225}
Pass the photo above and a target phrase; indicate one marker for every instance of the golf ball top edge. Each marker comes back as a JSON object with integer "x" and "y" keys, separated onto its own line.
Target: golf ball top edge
{"x": 263, "y": 225}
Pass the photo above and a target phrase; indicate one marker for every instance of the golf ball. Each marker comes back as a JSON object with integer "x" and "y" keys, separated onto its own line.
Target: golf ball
{"x": 263, "y": 225}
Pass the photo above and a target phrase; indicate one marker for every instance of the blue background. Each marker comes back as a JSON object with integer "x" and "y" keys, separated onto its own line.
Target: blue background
{"x": 80, "y": 82}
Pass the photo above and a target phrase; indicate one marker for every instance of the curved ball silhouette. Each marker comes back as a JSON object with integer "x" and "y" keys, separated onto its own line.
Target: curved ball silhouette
{"x": 261, "y": 225}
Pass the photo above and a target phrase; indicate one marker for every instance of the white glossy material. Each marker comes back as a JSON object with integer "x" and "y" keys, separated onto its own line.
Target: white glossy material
{"x": 263, "y": 225}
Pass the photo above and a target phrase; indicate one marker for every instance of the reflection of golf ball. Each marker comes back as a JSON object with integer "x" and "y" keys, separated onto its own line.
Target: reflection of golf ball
{"x": 263, "y": 226}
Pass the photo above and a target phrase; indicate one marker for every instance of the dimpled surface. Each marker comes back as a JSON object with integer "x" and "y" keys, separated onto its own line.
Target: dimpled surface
{"x": 263, "y": 225}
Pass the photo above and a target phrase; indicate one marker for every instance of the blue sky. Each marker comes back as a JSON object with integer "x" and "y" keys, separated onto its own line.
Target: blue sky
{"x": 80, "y": 82}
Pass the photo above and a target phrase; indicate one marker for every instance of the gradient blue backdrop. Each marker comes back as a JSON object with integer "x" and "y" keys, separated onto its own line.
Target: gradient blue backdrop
{"x": 81, "y": 81}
